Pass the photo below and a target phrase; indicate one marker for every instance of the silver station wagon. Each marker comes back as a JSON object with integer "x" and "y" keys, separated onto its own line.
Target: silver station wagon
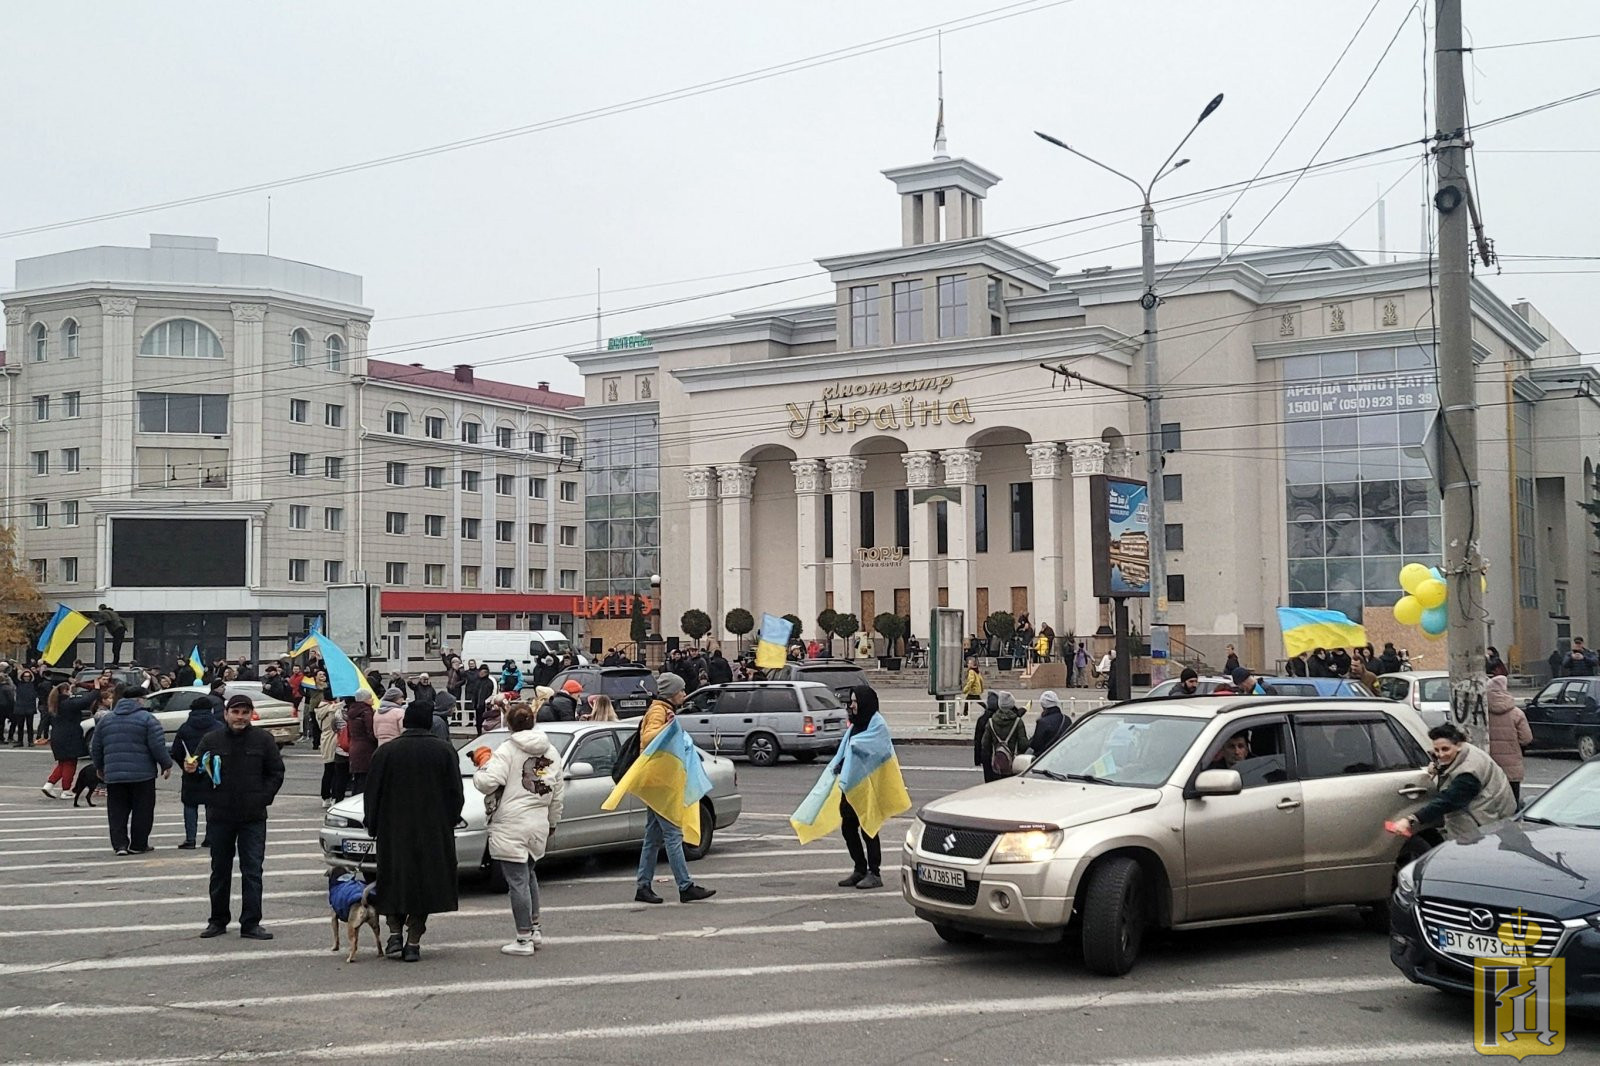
{"x": 764, "y": 719}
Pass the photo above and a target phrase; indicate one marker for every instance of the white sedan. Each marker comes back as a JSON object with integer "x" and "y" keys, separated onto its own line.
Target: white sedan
{"x": 590, "y": 750}
{"x": 171, "y": 707}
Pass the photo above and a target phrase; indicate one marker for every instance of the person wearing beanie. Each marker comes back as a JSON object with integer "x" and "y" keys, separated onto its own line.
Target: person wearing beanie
{"x": 1005, "y": 736}
{"x": 1245, "y": 683}
{"x": 1188, "y": 684}
{"x": 658, "y": 832}
{"x": 991, "y": 702}
{"x": 390, "y": 717}
{"x": 562, "y": 706}
{"x": 194, "y": 787}
{"x": 1053, "y": 722}
{"x": 413, "y": 799}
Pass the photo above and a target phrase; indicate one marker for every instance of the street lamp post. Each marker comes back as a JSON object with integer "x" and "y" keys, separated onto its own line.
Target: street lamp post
{"x": 1149, "y": 302}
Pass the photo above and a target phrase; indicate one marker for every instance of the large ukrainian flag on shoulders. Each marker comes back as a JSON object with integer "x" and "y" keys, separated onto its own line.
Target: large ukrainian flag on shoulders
{"x": 866, "y": 772}
{"x": 669, "y": 779}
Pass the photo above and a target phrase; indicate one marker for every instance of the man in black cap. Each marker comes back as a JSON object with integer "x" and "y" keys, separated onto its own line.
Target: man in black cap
{"x": 245, "y": 769}
{"x": 413, "y": 801}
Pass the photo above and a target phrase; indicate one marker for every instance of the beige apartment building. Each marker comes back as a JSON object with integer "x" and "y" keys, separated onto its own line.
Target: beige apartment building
{"x": 795, "y": 449}
{"x": 199, "y": 439}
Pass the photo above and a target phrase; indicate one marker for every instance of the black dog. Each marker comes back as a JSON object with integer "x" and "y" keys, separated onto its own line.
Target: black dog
{"x": 88, "y": 781}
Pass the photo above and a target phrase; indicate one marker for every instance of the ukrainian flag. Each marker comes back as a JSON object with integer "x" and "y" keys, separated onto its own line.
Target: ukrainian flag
{"x": 198, "y": 667}
{"x": 866, "y": 772}
{"x": 773, "y": 650}
{"x": 344, "y": 677}
{"x": 61, "y": 633}
{"x": 310, "y": 641}
{"x": 1307, "y": 629}
{"x": 670, "y": 780}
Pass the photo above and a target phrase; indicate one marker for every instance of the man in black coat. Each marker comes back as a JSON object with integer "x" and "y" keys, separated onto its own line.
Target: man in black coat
{"x": 479, "y": 687}
{"x": 245, "y": 770}
{"x": 1052, "y": 723}
{"x": 991, "y": 703}
{"x": 413, "y": 799}
{"x": 718, "y": 670}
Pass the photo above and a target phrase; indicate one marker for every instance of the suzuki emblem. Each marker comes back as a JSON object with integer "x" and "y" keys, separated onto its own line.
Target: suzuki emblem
{"x": 1481, "y": 919}
{"x": 950, "y": 842}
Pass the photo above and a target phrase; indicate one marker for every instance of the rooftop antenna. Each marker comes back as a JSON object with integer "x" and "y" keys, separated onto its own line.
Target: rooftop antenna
{"x": 941, "y": 150}
{"x": 599, "y": 340}
{"x": 269, "y": 223}
{"x": 1383, "y": 231}
{"x": 1222, "y": 235}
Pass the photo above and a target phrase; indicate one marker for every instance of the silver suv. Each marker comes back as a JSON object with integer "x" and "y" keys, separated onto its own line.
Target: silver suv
{"x": 764, "y": 719}
{"x": 1187, "y": 812}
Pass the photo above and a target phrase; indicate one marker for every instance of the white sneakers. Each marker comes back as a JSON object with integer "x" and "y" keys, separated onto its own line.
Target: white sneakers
{"x": 525, "y": 945}
{"x": 52, "y": 790}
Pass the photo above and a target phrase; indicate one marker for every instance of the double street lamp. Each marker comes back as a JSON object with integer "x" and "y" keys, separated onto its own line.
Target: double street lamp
{"x": 1149, "y": 301}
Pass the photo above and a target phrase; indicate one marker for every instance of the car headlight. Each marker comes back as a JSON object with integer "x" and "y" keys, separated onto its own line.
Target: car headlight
{"x": 1027, "y": 845}
{"x": 337, "y": 821}
{"x": 1405, "y": 883}
{"x": 914, "y": 834}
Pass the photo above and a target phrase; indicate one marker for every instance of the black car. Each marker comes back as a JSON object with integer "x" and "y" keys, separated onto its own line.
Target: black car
{"x": 1544, "y": 864}
{"x": 630, "y": 688}
{"x": 1566, "y": 714}
{"x": 841, "y": 675}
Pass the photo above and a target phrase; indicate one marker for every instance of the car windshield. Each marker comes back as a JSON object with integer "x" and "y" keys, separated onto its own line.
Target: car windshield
{"x": 553, "y": 647}
{"x": 1115, "y": 748}
{"x": 1572, "y": 801}
{"x": 1434, "y": 690}
{"x": 624, "y": 684}
{"x": 496, "y": 737}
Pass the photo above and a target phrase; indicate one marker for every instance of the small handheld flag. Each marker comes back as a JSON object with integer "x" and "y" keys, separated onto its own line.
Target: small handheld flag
{"x": 198, "y": 667}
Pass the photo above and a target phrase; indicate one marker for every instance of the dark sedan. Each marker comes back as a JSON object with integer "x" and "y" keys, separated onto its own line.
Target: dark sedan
{"x": 1543, "y": 864}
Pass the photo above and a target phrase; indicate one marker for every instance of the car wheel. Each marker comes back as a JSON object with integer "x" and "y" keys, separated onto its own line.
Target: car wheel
{"x": 1586, "y": 747}
{"x": 761, "y": 749}
{"x": 708, "y": 829}
{"x": 1114, "y": 914}
{"x": 805, "y": 756}
{"x": 951, "y": 935}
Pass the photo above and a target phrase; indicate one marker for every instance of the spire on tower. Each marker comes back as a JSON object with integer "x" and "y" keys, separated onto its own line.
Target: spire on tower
{"x": 941, "y": 150}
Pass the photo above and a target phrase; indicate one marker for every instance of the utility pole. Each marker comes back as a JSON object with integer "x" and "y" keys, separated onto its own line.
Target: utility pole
{"x": 1458, "y": 408}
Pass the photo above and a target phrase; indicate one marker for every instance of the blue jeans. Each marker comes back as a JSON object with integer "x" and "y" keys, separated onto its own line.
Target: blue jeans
{"x": 659, "y": 831}
{"x": 191, "y": 822}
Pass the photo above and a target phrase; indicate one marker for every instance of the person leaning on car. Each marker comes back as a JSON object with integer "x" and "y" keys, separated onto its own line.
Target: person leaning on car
{"x": 1472, "y": 789}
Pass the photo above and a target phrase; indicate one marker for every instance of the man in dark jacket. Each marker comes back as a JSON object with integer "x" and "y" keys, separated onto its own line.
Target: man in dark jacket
{"x": 116, "y": 629}
{"x": 185, "y": 751}
{"x": 718, "y": 670}
{"x": 422, "y": 689}
{"x": 563, "y": 706}
{"x": 128, "y": 749}
{"x": 1580, "y": 661}
{"x": 991, "y": 702}
{"x": 477, "y": 692}
{"x": 413, "y": 800}
{"x": 246, "y": 771}
{"x": 1052, "y": 723}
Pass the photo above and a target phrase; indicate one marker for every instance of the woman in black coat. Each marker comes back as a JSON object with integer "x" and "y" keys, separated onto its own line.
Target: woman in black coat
{"x": 67, "y": 743}
{"x": 195, "y": 787}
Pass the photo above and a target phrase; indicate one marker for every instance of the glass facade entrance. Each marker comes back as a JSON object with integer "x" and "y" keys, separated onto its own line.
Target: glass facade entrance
{"x": 622, "y": 473}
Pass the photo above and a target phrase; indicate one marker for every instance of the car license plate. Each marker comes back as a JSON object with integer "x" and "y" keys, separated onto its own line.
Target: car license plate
{"x": 939, "y": 875}
{"x": 356, "y": 847}
{"x": 1474, "y": 945}
{"x": 830, "y": 726}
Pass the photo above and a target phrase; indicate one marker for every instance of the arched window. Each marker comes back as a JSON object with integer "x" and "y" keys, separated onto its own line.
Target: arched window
{"x": 181, "y": 338}
{"x": 41, "y": 342}
{"x": 69, "y": 338}
{"x": 298, "y": 342}
{"x": 335, "y": 352}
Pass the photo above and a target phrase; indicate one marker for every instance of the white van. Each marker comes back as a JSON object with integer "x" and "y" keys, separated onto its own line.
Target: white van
{"x": 522, "y": 646}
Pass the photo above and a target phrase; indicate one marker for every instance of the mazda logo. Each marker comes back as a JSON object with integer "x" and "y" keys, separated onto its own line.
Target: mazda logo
{"x": 1481, "y": 919}
{"x": 950, "y": 842}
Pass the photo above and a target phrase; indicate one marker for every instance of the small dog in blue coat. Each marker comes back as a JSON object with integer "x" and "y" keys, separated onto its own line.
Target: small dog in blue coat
{"x": 355, "y": 903}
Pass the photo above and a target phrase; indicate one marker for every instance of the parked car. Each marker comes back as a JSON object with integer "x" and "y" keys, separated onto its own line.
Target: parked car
{"x": 123, "y": 675}
{"x": 631, "y": 688}
{"x": 841, "y": 675}
{"x": 1137, "y": 818}
{"x": 1317, "y": 687}
{"x": 1541, "y": 868}
{"x": 171, "y": 708}
{"x": 590, "y": 750}
{"x": 1426, "y": 691}
{"x": 762, "y": 720}
{"x": 1566, "y": 714}
{"x": 1207, "y": 685}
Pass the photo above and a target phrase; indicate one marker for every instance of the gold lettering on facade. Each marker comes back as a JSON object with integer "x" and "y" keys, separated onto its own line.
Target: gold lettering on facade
{"x": 896, "y": 415}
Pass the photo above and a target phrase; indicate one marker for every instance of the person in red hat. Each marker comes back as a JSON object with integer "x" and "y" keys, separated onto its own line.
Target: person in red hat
{"x": 563, "y": 706}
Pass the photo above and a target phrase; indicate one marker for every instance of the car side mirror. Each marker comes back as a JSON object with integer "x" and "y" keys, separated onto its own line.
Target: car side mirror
{"x": 584, "y": 769}
{"x": 1021, "y": 763}
{"x": 1218, "y": 783}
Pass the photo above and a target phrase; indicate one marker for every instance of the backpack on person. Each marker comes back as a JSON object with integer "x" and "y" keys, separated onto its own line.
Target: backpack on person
{"x": 626, "y": 757}
{"x": 1001, "y": 759}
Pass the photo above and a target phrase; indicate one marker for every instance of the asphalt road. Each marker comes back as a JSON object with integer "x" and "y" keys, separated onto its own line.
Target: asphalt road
{"x": 100, "y": 961}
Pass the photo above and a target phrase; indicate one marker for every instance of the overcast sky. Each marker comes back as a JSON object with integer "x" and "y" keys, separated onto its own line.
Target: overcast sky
{"x": 121, "y": 106}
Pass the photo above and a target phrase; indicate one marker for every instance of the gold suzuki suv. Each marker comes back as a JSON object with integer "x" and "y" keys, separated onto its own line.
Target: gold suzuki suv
{"x": 1176, "y": 813}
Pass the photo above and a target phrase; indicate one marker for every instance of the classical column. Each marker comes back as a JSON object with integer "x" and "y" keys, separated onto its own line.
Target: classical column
{"x": 808, "y": 540}
{"x": 248, "y": 403}
{"x": 1088, "y": 458}
{"x": 1049, "y": 574}
{"x": 734, "y": 483}
{"x": 357, "y": 329}
{"x": 117, "y": 467}
{"x": 924, "y": 570}
{"x": 1119, "y": 461}
{"x": 703, "y": 533}
{"x": 961, "y": 474}
{"x": 844, "y": 482}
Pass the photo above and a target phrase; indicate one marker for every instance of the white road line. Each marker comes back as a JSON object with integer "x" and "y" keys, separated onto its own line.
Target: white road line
{"x": 229, "y": 957}
{"x": 1308, "y": 1056}
{"x": 94, "y": 832}
{"x": 98, "y": 821}
{"x": 656, "y": 1031}
{"x": 456, "y": 988}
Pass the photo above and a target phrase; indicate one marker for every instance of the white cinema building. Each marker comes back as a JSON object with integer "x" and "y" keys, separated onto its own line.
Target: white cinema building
{"x": 1297, "y": 386}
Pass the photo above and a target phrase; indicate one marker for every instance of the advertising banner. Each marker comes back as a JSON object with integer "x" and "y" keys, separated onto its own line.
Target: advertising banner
{"x": 1120, "y": 514}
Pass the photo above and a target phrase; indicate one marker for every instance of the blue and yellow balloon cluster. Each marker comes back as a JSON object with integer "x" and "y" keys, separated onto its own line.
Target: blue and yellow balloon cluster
{"x": 1426, "y": 602}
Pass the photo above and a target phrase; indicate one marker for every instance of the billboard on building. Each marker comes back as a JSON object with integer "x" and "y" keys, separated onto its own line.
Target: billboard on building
{"x": 1119, "y": 511}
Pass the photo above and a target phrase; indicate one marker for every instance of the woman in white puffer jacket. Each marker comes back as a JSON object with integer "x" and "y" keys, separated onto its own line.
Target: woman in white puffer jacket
{"x": 526, "y": 774}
